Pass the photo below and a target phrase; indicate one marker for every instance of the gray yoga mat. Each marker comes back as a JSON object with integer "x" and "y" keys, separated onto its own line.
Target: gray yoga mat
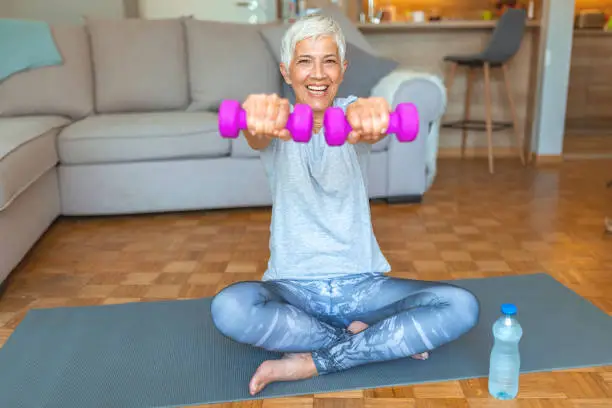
{"x": 168, "y": 354}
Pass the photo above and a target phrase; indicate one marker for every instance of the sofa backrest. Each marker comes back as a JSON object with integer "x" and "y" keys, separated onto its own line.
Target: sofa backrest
{"x": 65, "y": 90}
{"x": 228, "y": 61}
{"x": 134, "y": 65}
{"x": 139, "y": 65}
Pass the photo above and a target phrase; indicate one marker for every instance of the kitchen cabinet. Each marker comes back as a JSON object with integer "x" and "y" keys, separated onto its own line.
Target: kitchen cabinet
{"x": 589, "y": 102}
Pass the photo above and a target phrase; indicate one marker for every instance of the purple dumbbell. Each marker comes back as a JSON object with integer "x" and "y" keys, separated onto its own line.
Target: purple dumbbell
{"x": 232, "y": 119}
{"x": 404, "y": 122}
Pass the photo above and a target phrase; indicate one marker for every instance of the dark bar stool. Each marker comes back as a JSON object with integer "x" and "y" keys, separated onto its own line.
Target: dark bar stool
{"x": 503, "y": 45}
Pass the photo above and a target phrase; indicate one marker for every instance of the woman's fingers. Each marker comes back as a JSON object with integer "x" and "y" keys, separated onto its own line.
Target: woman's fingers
{"x": 271, "y": 109}
{"x": 267, "y": 115}
{"x": 282, "y": 118}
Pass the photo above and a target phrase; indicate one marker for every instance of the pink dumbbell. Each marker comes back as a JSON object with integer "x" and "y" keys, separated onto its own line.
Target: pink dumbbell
{"x": 404, "y": 122}
{"x": 232, "y": 119}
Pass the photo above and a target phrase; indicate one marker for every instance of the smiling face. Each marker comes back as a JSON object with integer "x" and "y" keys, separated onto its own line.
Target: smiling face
{"x": 316, "y": 72}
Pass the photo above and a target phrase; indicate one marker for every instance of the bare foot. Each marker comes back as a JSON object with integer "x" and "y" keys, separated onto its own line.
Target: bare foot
{"x": 357, "y": 327}
{"x": 289, "y": 368}
{"x": 421, "y": 356}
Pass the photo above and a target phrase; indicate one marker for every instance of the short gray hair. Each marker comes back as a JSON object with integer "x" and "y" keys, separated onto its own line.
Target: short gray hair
{"x": 313, "y": 25}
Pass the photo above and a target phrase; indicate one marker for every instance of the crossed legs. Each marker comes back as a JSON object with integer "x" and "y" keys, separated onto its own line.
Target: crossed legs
{"x": 330, "y": 325}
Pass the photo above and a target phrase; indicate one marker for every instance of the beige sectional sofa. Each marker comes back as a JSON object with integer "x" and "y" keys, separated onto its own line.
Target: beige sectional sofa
{"x": 127, "y": 124}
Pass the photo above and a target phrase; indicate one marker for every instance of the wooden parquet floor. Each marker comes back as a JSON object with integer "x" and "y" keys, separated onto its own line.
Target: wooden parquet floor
{"x": 471, "y": 224}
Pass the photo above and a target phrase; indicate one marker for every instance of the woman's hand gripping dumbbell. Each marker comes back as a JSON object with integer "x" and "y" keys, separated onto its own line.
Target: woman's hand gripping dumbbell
{"x": 369, "y": 120}
{"x": 264, "y": 117}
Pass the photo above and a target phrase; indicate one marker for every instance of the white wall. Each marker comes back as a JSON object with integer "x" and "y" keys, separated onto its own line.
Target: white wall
{"x": 64, "y": 11}
{"x": 219, "y": 10}
{"x": 69, "y": 11}
{"x": 551, "y": 99}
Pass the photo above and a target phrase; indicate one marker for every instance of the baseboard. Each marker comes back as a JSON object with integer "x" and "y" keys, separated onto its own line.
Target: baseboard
{"x": 547, "y": 158}
{"x": 405, "y": 199}
{"x": 477, "y": 152}
{"x": 498, "y": 152}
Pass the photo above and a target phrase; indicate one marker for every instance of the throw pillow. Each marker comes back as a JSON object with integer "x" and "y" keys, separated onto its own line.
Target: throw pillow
{"x": 36, "y": 47}
{"x": 228, "y": 61}
{"x": 140, "y": 65}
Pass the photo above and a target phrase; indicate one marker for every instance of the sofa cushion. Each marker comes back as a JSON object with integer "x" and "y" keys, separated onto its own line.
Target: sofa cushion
{"x": 27, "y": 151}
{"x": 241, "y": 148}
{"x": 383, "y": 144}
{"x": 228, "y": 61}
{"x": 139, "y": 65}
{"x": 142, "y": 136}
{"x": 65, "y": 90}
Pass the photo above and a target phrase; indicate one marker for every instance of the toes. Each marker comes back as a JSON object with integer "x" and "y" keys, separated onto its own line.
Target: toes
{"x": 256, "y": 386}
{"x": 257, "y": 382}
{"x": 421, "y": 356}
{"x": 253, "y": 387}
{"x": 357, "y": 327}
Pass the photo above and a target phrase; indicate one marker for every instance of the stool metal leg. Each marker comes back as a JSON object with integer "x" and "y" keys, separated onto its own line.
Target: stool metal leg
{"x": 517, "y": 133}
{"x": 489, "y": 119}
{"x": 466, "y": 109}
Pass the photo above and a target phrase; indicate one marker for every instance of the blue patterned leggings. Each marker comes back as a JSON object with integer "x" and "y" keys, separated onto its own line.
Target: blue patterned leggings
{"x": 405, "y": 317}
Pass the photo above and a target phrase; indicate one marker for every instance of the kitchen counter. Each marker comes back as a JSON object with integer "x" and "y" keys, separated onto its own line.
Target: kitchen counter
{"x": 434, "y": 25}
{"x": 423, "y": 46}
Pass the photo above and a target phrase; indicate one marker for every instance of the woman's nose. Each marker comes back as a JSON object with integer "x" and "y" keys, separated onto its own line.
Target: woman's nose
{"x": 318, "y": 71}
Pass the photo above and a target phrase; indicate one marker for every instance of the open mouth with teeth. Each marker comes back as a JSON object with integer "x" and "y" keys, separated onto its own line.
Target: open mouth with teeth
{"x": 317, "y": 90}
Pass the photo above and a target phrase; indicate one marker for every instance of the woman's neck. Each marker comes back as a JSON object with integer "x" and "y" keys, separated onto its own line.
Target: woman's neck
{"x": 317, "y": 121}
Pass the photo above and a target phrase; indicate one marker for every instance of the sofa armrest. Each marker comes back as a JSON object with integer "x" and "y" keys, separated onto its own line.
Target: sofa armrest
{"x": 412, "y": 166}
{"x": 401, "y": 86}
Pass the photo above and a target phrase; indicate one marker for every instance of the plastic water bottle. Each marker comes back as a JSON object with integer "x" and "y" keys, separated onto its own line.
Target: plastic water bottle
{"x": 505, "y": 362}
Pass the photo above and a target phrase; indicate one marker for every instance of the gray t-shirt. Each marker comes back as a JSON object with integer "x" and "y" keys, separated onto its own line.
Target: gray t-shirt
{"x": 321, "y": 224}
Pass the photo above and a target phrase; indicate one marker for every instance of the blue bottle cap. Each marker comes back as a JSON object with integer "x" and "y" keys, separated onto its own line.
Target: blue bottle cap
{"x": 508, "y": 309}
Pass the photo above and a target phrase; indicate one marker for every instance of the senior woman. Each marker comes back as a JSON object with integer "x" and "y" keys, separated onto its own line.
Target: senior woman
{"x": 326, "y": 301}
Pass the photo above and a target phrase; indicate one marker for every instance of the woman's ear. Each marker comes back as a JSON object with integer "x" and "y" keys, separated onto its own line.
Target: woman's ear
{"x": 285, "y": 73}
{"x": 344, "y": 66}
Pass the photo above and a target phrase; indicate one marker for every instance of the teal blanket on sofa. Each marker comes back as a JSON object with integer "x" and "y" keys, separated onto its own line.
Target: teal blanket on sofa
{"x": 25, "y": 45}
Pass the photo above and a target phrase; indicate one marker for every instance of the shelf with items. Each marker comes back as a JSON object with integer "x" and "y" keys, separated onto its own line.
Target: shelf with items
{"x": 440, "y": 10}
{"x": 593, "y": 15}
{"x": 290, "y": 10}
{"x": 462, "y": 25}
